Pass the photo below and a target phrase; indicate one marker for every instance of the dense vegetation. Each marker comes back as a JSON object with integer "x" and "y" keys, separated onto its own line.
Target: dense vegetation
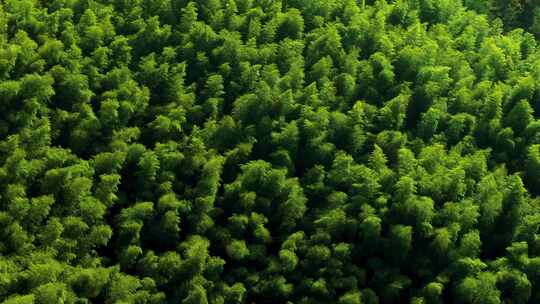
{"x": 265, "y": 151}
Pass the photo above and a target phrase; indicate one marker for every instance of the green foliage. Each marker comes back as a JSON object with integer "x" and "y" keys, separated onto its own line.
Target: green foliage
{"x": 288, "y": 151}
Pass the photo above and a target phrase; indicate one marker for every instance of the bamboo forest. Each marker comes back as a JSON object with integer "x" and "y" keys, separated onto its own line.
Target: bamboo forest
{"x": 269, "y": 151}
